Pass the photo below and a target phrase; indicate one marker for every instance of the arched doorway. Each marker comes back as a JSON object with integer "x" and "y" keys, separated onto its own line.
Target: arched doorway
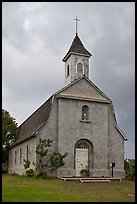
{"x": 83, "y": 155}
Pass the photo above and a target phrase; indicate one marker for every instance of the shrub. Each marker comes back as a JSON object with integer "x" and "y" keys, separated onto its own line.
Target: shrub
{"x": 84, "y": 172}
{"x": 26, "y": 163}
{"x": 43, "y": 174}
{"x": 30, "y": 172}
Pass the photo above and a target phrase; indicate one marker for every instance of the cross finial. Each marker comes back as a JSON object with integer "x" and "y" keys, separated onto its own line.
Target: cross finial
{"x": 76, "y": 19}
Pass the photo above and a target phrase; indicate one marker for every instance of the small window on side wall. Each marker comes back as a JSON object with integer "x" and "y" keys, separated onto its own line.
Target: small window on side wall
{"x": 27, "y": 156}
{"x": 68, "y": 70}
{"x": 20, "y": 155}
{"x": 15, "y": 157}
{"x": 85, "y": 112}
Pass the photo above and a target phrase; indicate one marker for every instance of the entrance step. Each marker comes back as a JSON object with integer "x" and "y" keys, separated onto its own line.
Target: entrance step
{"x": 93, "y": 180}
{"x": 90, "y": 179}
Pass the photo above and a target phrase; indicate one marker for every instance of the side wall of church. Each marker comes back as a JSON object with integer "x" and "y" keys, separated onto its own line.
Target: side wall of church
{"x": 49, "y": 130}
{"x": 18, "y": 153}
{"x": 116, "y": 147}
{"x": 71, "y": 128}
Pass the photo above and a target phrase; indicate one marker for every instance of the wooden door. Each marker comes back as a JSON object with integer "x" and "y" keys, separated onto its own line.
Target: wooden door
{"x": 81, "y": 160}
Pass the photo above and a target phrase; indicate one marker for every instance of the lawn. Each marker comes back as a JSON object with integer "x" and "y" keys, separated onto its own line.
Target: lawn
{"x": 17, "y": 188}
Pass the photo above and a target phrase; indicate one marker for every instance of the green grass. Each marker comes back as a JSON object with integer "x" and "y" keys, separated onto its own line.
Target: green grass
{"x": 26, "y": 189}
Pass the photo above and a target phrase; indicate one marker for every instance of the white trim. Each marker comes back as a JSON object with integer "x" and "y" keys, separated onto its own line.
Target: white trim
{"x": 83, "y": 99}
{"x": 115, "y": 121}
{"x": 121, "y": 132}
{"x": 75, "y": 53}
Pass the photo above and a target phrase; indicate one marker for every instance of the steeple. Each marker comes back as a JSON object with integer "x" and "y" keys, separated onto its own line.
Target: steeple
{"x": 76, "y": 48}
{"x": 76, "y": 61}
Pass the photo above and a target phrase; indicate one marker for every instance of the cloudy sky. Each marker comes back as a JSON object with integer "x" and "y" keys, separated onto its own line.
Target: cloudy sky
{"x": 37, "y": 35}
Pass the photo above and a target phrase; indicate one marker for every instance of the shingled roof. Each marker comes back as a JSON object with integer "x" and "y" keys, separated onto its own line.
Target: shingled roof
{"x": 32, "y": 124}
{"x": 76, "y": 47}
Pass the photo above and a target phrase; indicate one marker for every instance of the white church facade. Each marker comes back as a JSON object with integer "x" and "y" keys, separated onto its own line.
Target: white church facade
{"x": 80, "y": 119}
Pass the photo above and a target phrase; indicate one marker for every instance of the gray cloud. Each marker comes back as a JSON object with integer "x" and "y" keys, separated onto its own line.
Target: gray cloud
{"x": 36, "y": 37}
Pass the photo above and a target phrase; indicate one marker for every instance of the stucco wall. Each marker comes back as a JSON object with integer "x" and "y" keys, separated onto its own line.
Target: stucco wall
{"x": 18, "y": 167}
{"x": 71, "y": 128}
{"x": 116, "y": 146}
{"x": 49, "y": 130}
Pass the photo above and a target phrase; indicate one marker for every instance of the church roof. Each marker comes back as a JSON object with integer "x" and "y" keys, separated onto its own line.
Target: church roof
{"x": 31, "y": 125}
{"x": 76, "y": 48}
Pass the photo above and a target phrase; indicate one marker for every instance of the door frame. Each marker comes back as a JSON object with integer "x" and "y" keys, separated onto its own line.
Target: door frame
{"x": 90, "y": 153}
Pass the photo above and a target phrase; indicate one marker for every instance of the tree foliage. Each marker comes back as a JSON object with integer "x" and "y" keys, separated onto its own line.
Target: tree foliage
{"x": 29, "y": 171}
{"x": 26, "y": 163}
{"x": 48, "y": 163}
{"x": 42, "y": 151}
{"x": 56, "y": 160}
{"x": 42, "y": 147}
{"x": 9, "y": 133}
{"x": 129, "y": 166}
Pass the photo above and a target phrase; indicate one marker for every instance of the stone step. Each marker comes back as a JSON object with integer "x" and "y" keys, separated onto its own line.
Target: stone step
{"x": 101, "y": 178}
{"x": 92, "y": 180}
{"x": 89, "y": 178}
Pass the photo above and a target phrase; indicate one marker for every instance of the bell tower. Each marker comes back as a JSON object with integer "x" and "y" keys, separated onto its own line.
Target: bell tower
{"x": 76, "y": 60}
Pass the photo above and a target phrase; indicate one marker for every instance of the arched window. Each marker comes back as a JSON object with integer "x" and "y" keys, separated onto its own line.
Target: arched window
{"x": 79, "y": 69}
{"x": 85, "y": 112}
{"x": 68, "y": 70}
{"x": 27, "y": 157}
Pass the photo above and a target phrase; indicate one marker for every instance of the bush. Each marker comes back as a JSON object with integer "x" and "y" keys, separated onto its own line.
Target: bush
{"x": 84, "y": 172}
{"x": 29, "y": 172}
{"x": 42, "y": 174}
{"x": 26, "y": 163}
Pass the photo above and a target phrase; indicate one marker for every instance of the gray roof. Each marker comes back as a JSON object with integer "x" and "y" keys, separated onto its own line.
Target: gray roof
{"x": 77, "y": 47}
{"x": 32, "y": 124}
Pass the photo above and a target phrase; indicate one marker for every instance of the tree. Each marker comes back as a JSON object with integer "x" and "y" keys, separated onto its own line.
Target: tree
{"x": 56, "y": 161}
{"x": 42, "y": 151}
{"x": 9, "y": 133}
{"x": 129, "y": 166}
{"x": 48, "y": 163}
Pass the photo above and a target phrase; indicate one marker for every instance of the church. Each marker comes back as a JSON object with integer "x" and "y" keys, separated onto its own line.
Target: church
{"x": 80, "y": 119}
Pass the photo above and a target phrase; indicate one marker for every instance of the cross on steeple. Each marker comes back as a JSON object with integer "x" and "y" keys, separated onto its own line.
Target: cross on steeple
{"x": 76, "y": 19}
